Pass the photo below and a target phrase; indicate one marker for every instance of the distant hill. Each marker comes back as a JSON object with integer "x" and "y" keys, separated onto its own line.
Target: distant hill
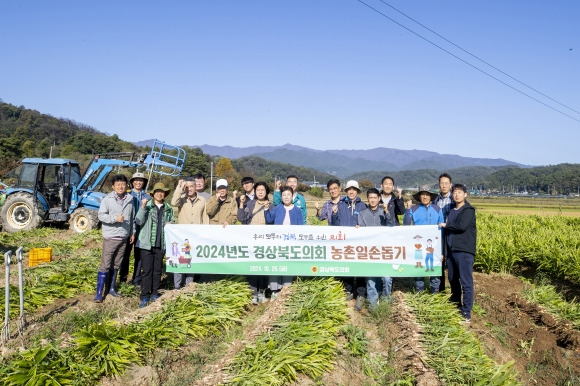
{"x": 265, "y": 170}
{"x": 29, "y": 133}
{"x": 554, "y": 179}
{"x": 346, "y": 162}
{"x": 469, "y": 175}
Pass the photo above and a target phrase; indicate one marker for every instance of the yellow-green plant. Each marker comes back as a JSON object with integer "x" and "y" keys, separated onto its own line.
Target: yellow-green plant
{"x": 108, "y": 348}
{"x": 453, "y": 352}
{"x": 303, "y": 340}
{"x": 548, "y": 243}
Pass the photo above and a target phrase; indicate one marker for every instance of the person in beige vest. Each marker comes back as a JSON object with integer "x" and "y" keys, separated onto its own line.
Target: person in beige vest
{"x": 222, "y": 209}
{"x": 191, "y": 210}
{"x": 189, "y": 204}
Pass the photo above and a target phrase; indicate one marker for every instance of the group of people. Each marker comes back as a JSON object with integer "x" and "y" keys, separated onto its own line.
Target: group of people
{"x": 135, "y": 218}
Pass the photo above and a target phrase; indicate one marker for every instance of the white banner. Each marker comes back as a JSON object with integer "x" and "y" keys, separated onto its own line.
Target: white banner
{"x": 402, "y": 251}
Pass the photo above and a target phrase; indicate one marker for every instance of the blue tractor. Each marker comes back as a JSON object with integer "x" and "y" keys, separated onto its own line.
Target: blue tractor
{"x": 54, "y": 190}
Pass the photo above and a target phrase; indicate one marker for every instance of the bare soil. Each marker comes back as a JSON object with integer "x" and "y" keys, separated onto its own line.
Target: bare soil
{"x": 545, "y": 351}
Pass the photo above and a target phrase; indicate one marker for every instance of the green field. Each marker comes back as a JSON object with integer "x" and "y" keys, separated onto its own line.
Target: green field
{"x": 527, "y": 205}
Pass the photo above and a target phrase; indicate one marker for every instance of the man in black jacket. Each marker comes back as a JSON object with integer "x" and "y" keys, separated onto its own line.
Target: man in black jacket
{"x": 460, "y": 241}
{"x": 392, "y": 203}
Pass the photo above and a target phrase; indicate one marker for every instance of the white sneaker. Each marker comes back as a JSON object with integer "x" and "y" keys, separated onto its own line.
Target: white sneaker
{"x": 262, "y": 298}
{"x": 255, "y": 300}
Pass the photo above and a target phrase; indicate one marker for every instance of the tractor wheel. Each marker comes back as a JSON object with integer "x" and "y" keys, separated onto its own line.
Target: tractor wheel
{"x": 20, "y": 213}
{"x": 83, "y": 220}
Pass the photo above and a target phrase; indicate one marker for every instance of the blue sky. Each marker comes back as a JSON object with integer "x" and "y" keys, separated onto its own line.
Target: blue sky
{"x": 326, "y": 74}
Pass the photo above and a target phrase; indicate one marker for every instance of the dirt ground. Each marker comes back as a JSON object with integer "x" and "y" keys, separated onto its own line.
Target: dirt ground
{"x": 545, "y": 351}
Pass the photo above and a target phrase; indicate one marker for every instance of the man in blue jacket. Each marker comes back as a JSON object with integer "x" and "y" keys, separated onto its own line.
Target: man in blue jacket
{"x": 460, "y": 242}
{"x": 424, "y": 213}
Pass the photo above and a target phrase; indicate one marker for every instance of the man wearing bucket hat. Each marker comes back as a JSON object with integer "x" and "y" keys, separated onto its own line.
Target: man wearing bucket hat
{"x": 424, "y": 213}
{"x": 152, "y": 218}
{"x": 346, "y": 214}
{"x": 221, "y": 208}
{"x": 138, "y": 187}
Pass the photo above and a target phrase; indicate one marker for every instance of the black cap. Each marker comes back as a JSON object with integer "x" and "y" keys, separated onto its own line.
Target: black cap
{"x": 247, "y": 179}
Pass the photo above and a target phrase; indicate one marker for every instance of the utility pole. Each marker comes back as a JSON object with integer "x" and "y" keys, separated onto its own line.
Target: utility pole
{"x": 211, "y": 179}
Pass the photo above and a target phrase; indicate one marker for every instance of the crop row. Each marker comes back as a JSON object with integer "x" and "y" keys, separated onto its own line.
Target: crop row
{"x": 548, "y": 243}
{"x": 452, "y": 351}
{"x": 303, "y": 340}
{"x": 61, "y": 279}
{"x": 108, "y": 348}
{"x": 62, "y": 247}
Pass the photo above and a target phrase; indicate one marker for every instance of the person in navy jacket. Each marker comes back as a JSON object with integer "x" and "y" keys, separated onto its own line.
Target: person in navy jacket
{"x": 460, "y": 241}
{"x": 285, "y": 213}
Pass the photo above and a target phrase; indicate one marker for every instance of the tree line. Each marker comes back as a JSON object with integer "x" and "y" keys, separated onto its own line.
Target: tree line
{"x": 28, "y": 133}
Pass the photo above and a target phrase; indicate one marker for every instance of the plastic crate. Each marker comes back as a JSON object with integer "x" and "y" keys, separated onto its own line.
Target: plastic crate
{"x": 39, "y": 255}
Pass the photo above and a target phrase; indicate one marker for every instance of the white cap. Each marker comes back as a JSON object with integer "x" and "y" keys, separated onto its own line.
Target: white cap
{"x": 352, "y": 184}
{"x": 221, "y": 182}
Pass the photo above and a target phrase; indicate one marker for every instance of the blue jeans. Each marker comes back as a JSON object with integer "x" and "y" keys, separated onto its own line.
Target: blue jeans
{"x": 434, "y": 283}
{"x": 429, "y": 259}
{"x": 460, "y": 272}
{"x": 376, "y": 285}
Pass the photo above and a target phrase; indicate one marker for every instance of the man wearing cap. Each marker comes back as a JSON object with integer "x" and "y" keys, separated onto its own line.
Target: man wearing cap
{"x": 348, "y": 208}
{"x": 424, "y": 213}
{"x": 116, "y": 214}
{"x": 297, "y": 199}
{"x": 346, "y": 214}
{"x": 138, "y": 186}
{"x": 152, "y": 218}
{"x": 190, "y": 210}
{"x": 221, "y": 208}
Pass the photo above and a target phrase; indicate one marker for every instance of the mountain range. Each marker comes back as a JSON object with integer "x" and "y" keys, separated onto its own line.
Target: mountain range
{"x": 346, "y": 162}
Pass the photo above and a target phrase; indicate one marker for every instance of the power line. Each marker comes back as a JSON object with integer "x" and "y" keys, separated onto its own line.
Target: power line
{"x": 470, "y": 64}
{"x": 477, "y": 57}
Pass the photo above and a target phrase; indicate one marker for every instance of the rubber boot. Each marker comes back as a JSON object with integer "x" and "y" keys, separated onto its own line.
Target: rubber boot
{"x": 101, "y": 279}
{"x": 112, "y": 280}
